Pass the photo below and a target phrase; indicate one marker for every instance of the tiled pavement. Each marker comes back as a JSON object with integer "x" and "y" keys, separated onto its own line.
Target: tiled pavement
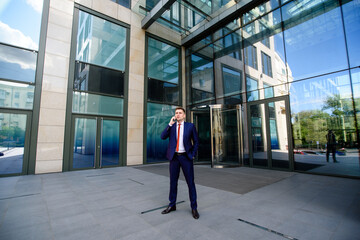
{"x": 126, "y": 203}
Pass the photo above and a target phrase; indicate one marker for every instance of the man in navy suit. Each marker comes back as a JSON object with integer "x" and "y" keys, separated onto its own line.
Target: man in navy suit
{"x": 182, "y": 147}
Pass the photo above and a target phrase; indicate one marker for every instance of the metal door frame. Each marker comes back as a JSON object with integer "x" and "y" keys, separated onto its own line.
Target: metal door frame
{"x": 267, "y": 125}
{"x": 98, "y": 137}
{"x": 26, "y": 156}
{"x": 239, "y": 127}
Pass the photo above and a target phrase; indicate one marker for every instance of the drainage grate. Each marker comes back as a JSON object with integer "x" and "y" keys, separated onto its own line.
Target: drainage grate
{"x": 151, "y": 210}
{"x": 267, "y": 229}
{"x": 26, "y": 195}
{"x": 136, "y": 181}
{"x": 99, "y": 175}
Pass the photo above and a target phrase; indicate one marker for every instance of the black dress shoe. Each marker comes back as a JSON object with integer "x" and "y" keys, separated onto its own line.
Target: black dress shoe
{"x": 195, "y": 214}
{"x": 169, "y": 209}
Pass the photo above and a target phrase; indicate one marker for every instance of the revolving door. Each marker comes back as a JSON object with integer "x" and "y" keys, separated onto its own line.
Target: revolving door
{"x": 220, "y": 136}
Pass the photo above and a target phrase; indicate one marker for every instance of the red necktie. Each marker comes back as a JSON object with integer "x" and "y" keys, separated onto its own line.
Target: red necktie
{"x": 178, "y": 137}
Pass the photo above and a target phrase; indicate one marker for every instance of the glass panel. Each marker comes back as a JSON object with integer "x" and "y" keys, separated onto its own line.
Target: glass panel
{"x": 314, "y": 38}
{"x": 12, "y": 142}
{"x": 20, "y": 23}
{"x": 258, "y": 135}
{"x": 84, "y": 143}
{"x": 233, "y": 100}
{"x": 351, "y": 12}
{"x": 232, "y": 80}
{"x": 202, "y": 78}
{"x": 163, "y": 61}
{"x": 228, "y": 45}
{"x": 163, "y": 91}
{"x": 266, "y": 64}
{"x": 268, "y": 91}
{"x": 99, "y": 80}
{"x": 101, "y": 42}
{"x": 97, "y": 104}
{"x": 110, "y": 140}
{"x": 125, "y": 3}
{"x": 158, "y": 117}
{"x": 278, "y": 135}
{"x": 319, "y": 105}
{"x": 251, "y": 85}
{"x": 225, "y": 134}
{"x": 201, "y": 119}
{"x": 16, "y": 95}
{"x": 355, "y": 77}
{"x": 250, "y": 56}
{"x": 17, "y": 64}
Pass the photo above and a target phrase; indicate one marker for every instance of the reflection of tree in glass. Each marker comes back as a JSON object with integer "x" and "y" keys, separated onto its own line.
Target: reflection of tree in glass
{"x": 338, "y": 106}
{"x": 310, "y": 127}
{"x": 12, "y": 135}
{"x": 341, "y": 113}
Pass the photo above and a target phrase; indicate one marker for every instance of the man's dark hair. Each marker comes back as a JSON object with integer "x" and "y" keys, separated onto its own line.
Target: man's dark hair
{"x": 180, "y": 108}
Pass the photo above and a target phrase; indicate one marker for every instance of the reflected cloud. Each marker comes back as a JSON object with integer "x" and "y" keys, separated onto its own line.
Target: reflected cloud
{"x": 15, "y": 37}
{"x": 36, "y": 5}
{"x": 25, "y": 61}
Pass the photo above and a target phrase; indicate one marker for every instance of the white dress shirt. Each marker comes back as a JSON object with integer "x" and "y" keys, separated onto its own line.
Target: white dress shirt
{"x": 181, "y": 142}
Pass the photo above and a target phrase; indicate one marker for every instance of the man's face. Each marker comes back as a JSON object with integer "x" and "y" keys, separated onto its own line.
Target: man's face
{"x": 179, "y": 115}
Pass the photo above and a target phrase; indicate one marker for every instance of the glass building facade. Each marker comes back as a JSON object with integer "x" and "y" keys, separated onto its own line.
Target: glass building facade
{"x": 88, "y": 85}
{"x": 299, "y": 60}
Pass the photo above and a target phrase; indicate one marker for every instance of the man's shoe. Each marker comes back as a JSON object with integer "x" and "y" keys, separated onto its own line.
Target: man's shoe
{"x": 169, "y": 209}
{"x": 195, "y": 214}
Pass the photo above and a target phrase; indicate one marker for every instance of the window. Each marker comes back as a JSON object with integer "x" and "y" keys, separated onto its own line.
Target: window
{"x": 163, "y": 72}
{"x": 232, "y": 81}
{"x": 250, "y": 56}
{"x": 268, "y": 91}
{"x": 266, "y": 64}
{"x": 125, "y": 3}
{"x": 99, "y": 66}
{"x": 202, "y": 78}
{"x": 252, "y": 89}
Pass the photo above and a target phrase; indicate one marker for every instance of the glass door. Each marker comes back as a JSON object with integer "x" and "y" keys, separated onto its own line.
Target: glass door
{"x": 258, "y": 135}
{"x": 96, "y": 142}
{"x": 269, "y": 134}
{"x": 14, "y": 141}
{"x": 201, "y": 118}
{"x": 225, "y": 135}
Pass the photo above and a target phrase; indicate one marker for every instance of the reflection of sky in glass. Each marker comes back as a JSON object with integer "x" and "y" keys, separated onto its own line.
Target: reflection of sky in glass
{"x": 20, "y": 22}
{"x": 163, "y": 63}
{"x": 101, "y": 42}
{"x": 17, "y": 64}
{"x": 315, "y": 46}
{"x": 351, "y": 11}
{"x": 310, "y": 94}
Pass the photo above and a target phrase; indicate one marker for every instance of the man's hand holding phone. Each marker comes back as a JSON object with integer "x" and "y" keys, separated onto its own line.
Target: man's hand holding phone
{"x": 172, "y": 121}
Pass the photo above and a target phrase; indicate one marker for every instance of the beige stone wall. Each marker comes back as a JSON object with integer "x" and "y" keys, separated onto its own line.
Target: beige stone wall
{"x": 49, "y": 155}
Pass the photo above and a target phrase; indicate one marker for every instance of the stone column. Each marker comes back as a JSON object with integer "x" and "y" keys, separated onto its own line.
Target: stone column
{"x": 49, "y": 154}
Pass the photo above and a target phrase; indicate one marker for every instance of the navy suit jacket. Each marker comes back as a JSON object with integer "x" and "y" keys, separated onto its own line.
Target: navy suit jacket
{"x": 190, "y": 140}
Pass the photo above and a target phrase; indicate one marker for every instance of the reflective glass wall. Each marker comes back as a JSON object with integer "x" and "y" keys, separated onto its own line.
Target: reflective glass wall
{"x": 20, "y": 23}
{"x": 163, "y": 94}
{"x": 306, "y": 50}
{"x": 98, "y": 95}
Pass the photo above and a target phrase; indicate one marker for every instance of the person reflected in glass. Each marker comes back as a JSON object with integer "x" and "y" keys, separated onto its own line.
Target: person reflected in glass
{"x": 330, "y": 145}
{"x": 182, "y": 147}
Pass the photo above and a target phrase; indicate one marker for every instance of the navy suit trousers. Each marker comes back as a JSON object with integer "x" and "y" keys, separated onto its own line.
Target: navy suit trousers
{"x": 188, "y": 170}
